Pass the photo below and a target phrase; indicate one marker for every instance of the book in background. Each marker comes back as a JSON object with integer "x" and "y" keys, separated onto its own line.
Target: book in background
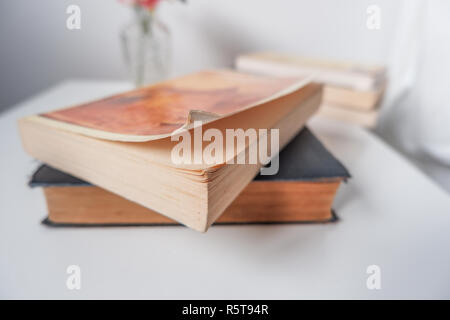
{"x": 352, "y": 92}
{"x": 302, "y": 191}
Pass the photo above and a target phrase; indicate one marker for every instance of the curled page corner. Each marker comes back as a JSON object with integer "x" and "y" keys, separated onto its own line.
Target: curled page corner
{"x": 196, "y": 116}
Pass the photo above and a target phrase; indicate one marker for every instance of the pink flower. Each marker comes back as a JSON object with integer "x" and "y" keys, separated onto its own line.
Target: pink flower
{"x": 149, "y": 4}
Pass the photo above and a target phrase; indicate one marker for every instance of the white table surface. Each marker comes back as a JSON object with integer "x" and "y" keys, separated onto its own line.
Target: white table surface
{"x": 391, "y": 214}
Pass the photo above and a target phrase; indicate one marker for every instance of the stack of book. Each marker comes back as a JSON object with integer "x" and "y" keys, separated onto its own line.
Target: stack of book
{"x": 352, "y": 92}
{"x": 115, "y": 161}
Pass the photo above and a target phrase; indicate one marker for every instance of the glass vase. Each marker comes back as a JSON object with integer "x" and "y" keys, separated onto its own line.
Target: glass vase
{"x": 146, "y": 48}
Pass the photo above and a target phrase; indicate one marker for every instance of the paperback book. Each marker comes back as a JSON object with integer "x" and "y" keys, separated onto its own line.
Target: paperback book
{"x": 125, "y": 143}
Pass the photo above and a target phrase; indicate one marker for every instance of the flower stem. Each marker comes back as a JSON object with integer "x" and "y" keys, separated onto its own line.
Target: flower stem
{"x": 144, "y": 17}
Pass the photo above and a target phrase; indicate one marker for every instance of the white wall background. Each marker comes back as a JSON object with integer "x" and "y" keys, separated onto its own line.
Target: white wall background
{"x": 36, "y": 49}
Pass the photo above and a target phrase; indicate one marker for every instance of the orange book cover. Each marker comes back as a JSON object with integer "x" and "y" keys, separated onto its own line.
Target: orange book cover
{"x": 156, "y": 111}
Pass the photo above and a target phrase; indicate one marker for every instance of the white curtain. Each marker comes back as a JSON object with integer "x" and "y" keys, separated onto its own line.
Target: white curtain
{"x": 415, "y": 115}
